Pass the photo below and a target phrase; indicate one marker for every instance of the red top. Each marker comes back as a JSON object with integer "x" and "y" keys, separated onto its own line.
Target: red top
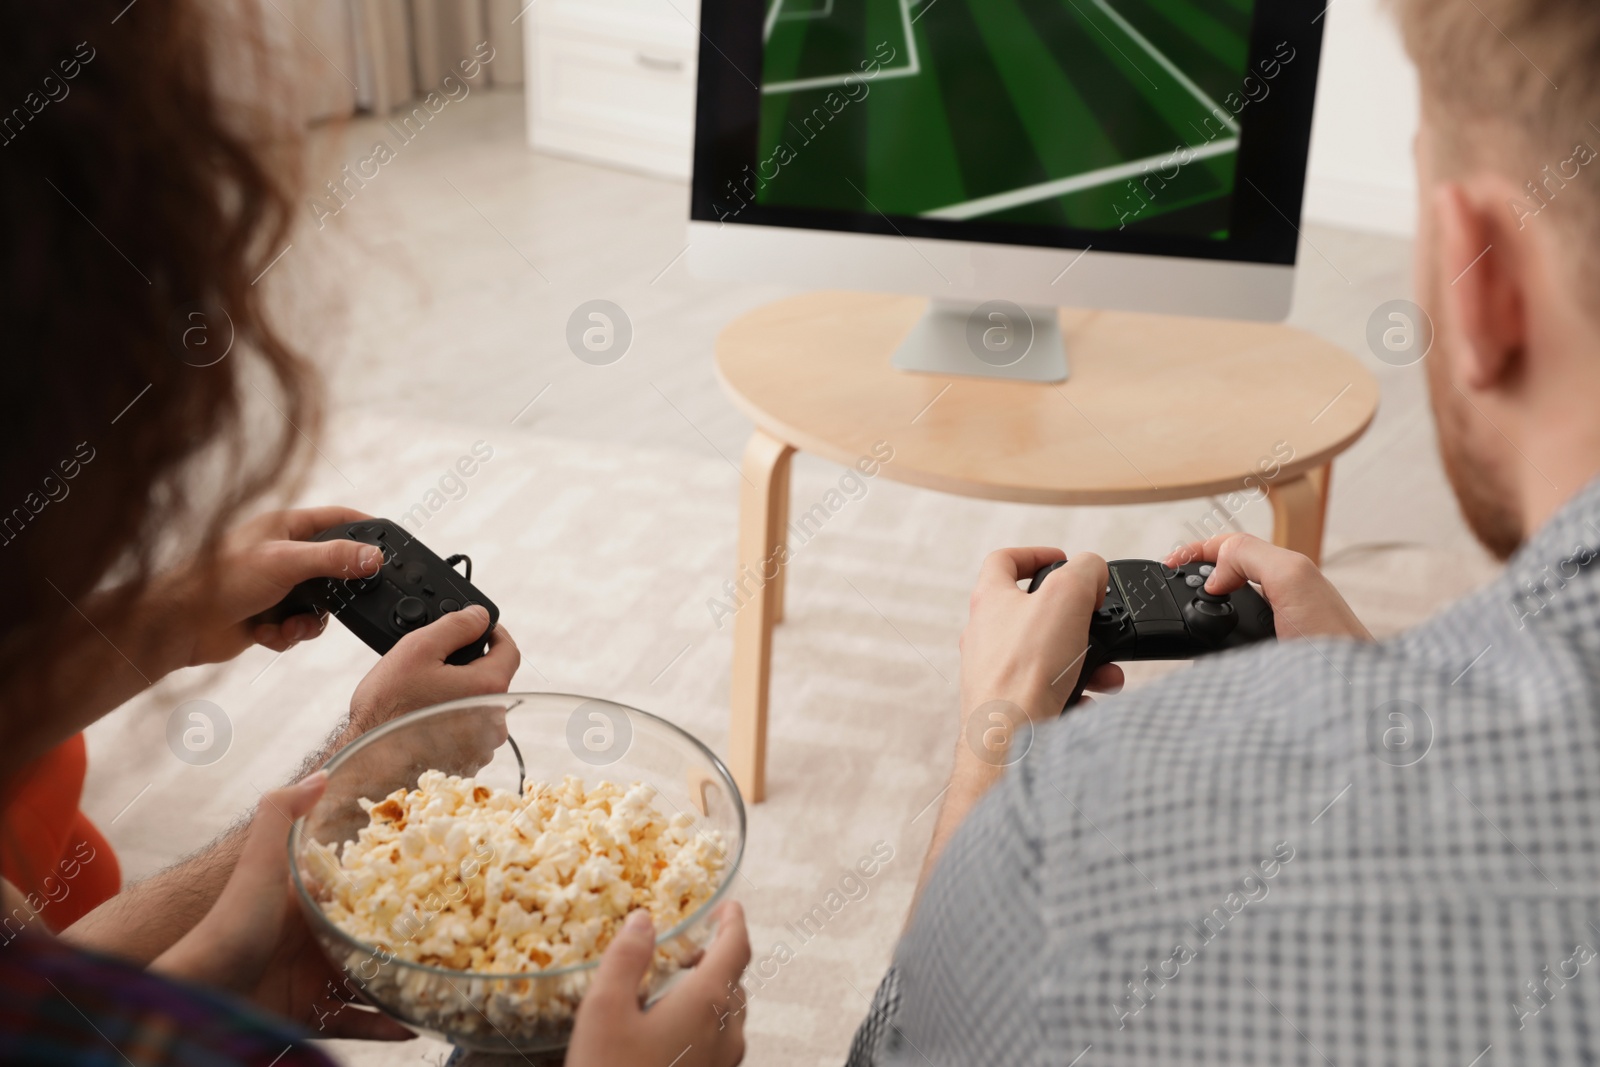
{"x": 49, "y": 849}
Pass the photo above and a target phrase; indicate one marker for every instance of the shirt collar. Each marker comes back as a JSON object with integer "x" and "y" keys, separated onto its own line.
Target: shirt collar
{"x": 1576, "y": 524}
{"x": 1564, "y": 548}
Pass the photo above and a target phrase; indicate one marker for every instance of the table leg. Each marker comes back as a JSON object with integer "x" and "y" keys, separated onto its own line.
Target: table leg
{"x": 780, "y": 494}
{"x": 1299, "y": 509}
{"x": 762, "y": 507}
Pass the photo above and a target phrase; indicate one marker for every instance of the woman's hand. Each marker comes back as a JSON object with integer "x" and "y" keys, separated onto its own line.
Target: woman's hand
{"x": 161, "y": 911}
{"x": 209, "y": 621}
{"x": 699, "y": 1024}
{"x": 1304, "y": 602}
{"x": 413, "y": 674}
{"x": 254, "y": 943}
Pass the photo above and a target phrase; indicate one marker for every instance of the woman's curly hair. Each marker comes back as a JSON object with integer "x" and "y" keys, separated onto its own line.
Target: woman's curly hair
{"x": 147, "y": 396}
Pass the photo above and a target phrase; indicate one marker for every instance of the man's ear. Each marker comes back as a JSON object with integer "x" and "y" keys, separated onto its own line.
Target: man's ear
{"x": 1481, "y": 283}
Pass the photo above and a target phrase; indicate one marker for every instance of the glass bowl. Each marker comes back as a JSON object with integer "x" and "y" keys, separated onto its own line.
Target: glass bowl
{"x": 502, "y": 741}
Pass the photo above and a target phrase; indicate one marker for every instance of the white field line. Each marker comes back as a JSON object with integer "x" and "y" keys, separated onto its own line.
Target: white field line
{"x": 1029, "y": 194}
{"x": 772, "y": 19}
{"x": 801, "y": 16}
{"x": 909, "y": 70}
{"x": 1167, "y": 65}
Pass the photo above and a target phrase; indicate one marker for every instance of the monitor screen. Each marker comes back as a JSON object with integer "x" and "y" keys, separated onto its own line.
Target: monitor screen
{"x": 1168, "y": 126}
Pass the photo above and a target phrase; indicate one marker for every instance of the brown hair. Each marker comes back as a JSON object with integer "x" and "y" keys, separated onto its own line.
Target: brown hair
{"x": 140, "y": 208}
{"x": 1513, "y": 86}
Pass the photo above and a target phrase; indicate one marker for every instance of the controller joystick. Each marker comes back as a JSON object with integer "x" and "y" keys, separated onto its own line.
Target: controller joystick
{"x": 1153, "y": 612}
{"x": 1210, "y": 617}
{"x": 412, "y": 588}
{"x": 410, "y": 612}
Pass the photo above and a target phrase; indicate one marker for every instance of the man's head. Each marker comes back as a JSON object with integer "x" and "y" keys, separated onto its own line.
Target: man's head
{"x": 1508, "y": 250}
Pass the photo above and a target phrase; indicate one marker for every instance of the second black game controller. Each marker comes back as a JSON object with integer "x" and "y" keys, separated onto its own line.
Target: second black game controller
{"x": 412, "y": 588}
{"x": 1154, "y": 612}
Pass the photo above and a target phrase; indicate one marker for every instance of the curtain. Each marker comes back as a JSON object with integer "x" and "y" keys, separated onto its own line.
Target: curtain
{"x": 374, "y": 55}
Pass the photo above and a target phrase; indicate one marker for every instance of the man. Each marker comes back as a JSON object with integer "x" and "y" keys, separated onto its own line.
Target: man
{"x": 1328, "y": 850}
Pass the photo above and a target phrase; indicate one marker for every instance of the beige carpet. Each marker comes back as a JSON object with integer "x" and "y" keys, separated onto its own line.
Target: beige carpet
{"x": 602, "y": 559}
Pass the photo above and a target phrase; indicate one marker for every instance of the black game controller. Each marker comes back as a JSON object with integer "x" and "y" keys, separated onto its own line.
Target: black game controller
{"x": 412, "y": 588}
{"x": 1155, "y": 612}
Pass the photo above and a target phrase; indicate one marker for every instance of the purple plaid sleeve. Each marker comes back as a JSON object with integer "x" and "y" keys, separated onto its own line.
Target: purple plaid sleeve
{"x": 59, "y": 1005}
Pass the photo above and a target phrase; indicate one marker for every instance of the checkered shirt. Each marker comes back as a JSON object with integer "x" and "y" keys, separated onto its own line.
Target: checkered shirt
{"x": 1321, "y": 852}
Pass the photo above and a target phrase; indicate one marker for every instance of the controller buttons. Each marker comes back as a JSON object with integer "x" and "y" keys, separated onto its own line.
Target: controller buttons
{"x": 447, "y": 606}
{"x": 414, "y": 572}
{"x": 1194, "y": 581}
{"x": 1206, "y": 569}
{"x": 410, "y": 612}
{"x": 366, "y": 529}
{"x": 1112, "y": 615}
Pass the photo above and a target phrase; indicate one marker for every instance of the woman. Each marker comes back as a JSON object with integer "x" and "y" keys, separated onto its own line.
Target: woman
{"x": 140, "y": 206}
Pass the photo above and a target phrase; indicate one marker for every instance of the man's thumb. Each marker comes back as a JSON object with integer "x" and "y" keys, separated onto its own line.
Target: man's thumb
{"x": 623, "y": 966}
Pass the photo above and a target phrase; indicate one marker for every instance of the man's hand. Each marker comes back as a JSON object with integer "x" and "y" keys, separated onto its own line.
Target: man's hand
{"x": 1304, "y": 602}
{"x": 1027, "y": 649}
{"x": 1020, "y": 658}
{"x": 254, "y": 942}
{"x": 413, "y": 674}
{"x": 210, "y": 620}
{"x": 699, "y": 1024}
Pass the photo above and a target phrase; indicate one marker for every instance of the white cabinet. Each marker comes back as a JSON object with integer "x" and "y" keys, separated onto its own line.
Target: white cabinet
{"x": 612, "y": 81}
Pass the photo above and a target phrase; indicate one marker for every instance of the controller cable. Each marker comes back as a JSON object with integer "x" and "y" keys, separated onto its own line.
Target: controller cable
{"x": 522, "y": 768}
{"x": 1360, "y": 548}
{"x": 1369, "y": 548}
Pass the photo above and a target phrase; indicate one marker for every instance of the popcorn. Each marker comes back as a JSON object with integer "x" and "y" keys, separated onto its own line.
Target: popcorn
{"x": 456, "y": 875}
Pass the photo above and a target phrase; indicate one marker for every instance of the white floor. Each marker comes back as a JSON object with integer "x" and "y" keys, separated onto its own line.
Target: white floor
{"x": 437, "y": 301}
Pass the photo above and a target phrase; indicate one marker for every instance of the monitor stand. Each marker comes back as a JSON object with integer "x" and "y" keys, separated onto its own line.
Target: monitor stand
{"x": 992, "y": 339}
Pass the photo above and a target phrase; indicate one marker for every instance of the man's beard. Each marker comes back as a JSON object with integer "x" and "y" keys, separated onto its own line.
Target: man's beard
{"x": 1488, "y": 505}
{"x": 1488, "y": 509}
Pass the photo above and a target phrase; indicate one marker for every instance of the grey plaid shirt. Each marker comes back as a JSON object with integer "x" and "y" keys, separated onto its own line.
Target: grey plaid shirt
{"x": 1322, "y": 852}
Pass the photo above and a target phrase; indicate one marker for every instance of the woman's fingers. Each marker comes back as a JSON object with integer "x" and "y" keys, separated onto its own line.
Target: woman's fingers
{"x": 280, "y": 637}
{"x": 719, "y": 970}
{"x": 614, "y": 993}
{"x": 364, "y": 1024}
{"x": 301, "y": 524}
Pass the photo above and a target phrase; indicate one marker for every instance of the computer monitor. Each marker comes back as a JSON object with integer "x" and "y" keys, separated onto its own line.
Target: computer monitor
{"x": 1007, "y": 158}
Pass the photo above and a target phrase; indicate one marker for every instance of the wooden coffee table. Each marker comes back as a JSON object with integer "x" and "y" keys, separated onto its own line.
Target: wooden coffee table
{"x": 1156, "y": 408}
